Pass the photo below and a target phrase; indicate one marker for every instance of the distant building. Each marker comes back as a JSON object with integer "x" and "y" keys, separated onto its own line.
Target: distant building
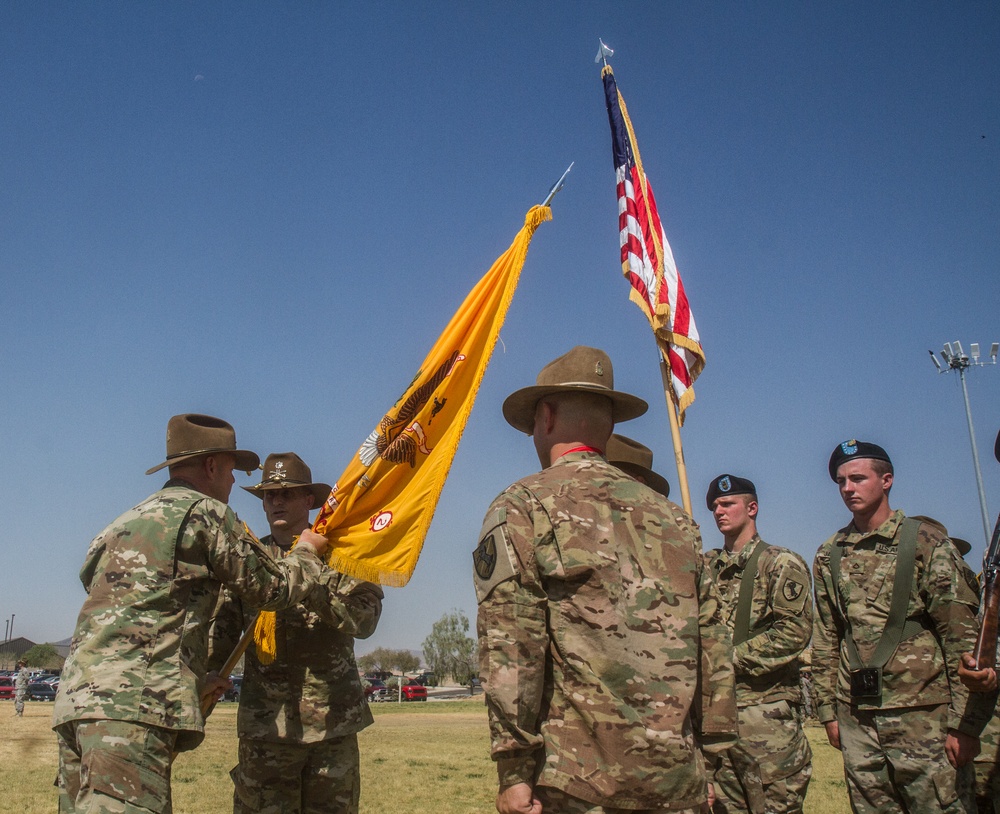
{"x": 12, "y": 649}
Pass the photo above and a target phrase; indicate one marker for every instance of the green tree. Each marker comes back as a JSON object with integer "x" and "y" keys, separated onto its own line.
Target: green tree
{"x": 43, "y": 656}
{"x": 382, "y": 659}
{"x": 449, "y": 650}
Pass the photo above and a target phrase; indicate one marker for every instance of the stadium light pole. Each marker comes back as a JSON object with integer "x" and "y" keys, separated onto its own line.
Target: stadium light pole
{"x": 956, "y": 359}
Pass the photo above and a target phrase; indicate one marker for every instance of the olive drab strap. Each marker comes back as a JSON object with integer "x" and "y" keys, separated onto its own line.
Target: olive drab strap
{"x": 741, "y": 628}
{"x": 897, "y": 626}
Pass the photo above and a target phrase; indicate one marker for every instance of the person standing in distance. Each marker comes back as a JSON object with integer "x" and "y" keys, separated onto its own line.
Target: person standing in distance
{"x": 767, "y": 606}
{"x": 895, "y": 608}
{"x": 132, "y": 687}
{"x": 21, "y": 681}
{"x": 301, "y": 709}
{"x": 605, "y": 659}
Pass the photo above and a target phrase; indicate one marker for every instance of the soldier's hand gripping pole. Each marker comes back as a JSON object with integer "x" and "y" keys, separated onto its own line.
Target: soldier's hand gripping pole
{"x": 226, "y": 670}
{"x": 985, "y": 653}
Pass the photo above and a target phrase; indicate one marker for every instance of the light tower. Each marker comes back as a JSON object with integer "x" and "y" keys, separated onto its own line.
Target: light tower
{"x": 956, "y": 359}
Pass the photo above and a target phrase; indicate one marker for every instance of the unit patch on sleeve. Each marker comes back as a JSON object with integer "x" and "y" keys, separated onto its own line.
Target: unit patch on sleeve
{"x": 492, "y": 559}
{"x": 792, "y": 593}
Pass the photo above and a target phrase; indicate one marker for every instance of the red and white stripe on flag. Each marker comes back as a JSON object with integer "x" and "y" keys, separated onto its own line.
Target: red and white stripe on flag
{"x": 647, "y": 260}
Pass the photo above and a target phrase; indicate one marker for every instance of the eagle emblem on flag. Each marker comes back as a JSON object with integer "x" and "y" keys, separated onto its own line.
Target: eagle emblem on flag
{"x": 399, "y": 436}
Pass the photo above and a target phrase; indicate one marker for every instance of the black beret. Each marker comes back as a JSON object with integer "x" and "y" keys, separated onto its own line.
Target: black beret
{"x": 852, "y": 449}
{"x": 726, "y": 485}
{"x": 996, "y": 448}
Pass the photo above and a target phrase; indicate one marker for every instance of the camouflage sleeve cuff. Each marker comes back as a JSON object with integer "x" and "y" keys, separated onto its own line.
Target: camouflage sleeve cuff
{"x": 514, "y": 770}
{"x": 826, "y": 713}
{"x": 714, "y": 745}
{"x": 979, "y": 710}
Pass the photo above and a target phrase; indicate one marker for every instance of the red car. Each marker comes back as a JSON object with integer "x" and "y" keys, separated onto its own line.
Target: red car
{"x": 414, "y": 692}
{"x": 6, "y": 687}
{"x": 372, "y": 686}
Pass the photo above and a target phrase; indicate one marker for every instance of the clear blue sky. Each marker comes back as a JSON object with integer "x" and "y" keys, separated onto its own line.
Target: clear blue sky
{"x": 267, "y": 212}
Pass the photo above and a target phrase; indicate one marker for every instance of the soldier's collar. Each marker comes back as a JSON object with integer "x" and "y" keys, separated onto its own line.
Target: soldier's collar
{"x": 887, "y": 530}
{"x": 746, "y": 552}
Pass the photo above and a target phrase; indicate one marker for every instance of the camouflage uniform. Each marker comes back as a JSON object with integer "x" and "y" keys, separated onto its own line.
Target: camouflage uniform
{"x": 601, "y": 642}
{"x": 20, "y": 690}
{"x": 769, "y": 768}
{"x": 987, "y": 767}
{"x": 893, "y": 749}
{"x": 987, "y": 762}
{"x": 299, "y": 716}
{"x": 141, "y": 642}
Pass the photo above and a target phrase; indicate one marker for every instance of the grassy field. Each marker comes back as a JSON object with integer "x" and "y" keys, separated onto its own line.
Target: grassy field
{"x": 417, "y": 758}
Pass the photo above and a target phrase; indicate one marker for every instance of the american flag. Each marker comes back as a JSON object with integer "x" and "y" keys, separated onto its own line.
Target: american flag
{"x": 647, "y": 262}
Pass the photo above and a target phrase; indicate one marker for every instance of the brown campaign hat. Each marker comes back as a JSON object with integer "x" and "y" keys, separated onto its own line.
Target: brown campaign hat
{"x": 963, "y": 546}
{"x": 581, "y": 370}
{"x": 637, "y": 460}
{"x": 192, "y": 434}
{"x": 286, "y": 470}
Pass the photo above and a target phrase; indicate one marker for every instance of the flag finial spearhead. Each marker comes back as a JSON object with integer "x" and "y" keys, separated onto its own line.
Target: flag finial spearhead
{"x": 557, "y": 185}
{"x": 603, "y": 53}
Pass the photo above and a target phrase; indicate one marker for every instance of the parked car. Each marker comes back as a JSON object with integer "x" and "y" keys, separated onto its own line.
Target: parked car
{"x": 372, "y": 686}
{"x": 414, "y": 692}
{"x": 233, "y": 693}
{"x": 6, "y": 687}
{"x": 42, "y": 691}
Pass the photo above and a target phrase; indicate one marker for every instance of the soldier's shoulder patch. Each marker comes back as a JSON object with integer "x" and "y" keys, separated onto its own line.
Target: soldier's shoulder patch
{"x": 971, "y": 580}
{"x": 492, "y": 559}
{"x": 792, "y": 590}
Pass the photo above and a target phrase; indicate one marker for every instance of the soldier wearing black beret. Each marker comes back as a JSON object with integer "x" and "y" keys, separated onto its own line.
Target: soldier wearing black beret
{"x": 768, "y": 607}
{"x": 895, "y": 608}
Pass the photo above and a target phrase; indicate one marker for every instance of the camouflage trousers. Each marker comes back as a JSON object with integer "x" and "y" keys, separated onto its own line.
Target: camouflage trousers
{"x": 895, "y": 761}
{"x": 114, "y": 767}
{"x": 987, "y": 766}
{"x": 558, "y": 802}
{"x": 768, "y": 770}
{"x": 274, "y": 777}
{"x": 19, "y": 703}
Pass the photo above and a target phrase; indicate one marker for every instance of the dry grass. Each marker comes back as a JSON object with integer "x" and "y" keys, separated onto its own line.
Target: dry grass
{"x": 417, "y": 758}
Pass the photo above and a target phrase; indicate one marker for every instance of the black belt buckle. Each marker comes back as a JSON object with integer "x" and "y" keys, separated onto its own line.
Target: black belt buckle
{"x": 866, "y": 682}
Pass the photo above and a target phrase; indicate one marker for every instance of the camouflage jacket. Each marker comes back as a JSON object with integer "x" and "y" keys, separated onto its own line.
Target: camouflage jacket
{"x": 311, "y": 692}
{"x": 21, "y": 681}
{"x": 153, "y": 578}
{"x": 602, "y": 647}
{"x": 767, "y": 664}
{"x": 944, "y": 598}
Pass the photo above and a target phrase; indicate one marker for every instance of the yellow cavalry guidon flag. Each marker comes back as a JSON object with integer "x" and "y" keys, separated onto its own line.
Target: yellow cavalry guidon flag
{"x": 380, "y": 508}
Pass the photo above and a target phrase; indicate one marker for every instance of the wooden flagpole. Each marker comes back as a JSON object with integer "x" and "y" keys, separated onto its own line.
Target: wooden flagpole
{"x": 675, "y": 436}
